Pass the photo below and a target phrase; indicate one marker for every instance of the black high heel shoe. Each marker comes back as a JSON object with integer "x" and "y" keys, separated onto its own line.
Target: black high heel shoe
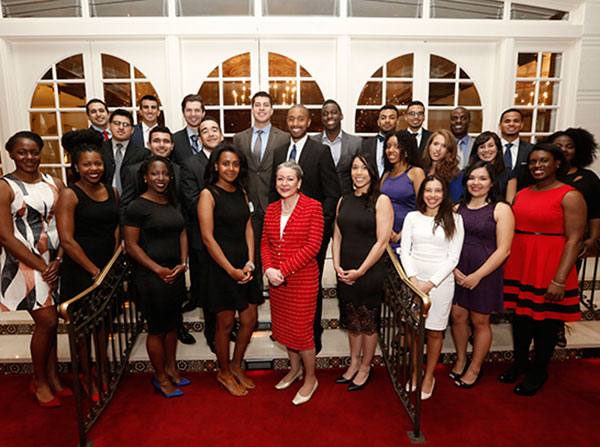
{"x": 354, "y": 387}
{"x": 456, "y": 376}
{"x": 342, "y": 380}
{"x": 459, "y": 383}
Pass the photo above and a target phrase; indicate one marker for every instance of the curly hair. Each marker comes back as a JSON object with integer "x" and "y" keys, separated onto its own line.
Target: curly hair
{"x": 585, "y": 145}
{"x": 445, "y": 214}
{"x": 407, "y": 145}
{"x": 142, "y": 186}
{"x": 447, "y": 168}
{"x": 498, "y": 161}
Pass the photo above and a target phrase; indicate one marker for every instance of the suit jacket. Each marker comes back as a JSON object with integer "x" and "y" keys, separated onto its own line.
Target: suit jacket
{"x": 320, "y": 180}
{"x": 259, "y": 175}
{"x": 183, "y": 147}
{"x": 424, "y": 137}
{"x": 192, "y": 183}
{"x": 130, "y": 189}
{"x": 464, "y": 161}
{"x": 133, "y": 154}
{"x": 521, "y": 169}
{"x": 137, "y": 137}
{"x": 351, "y": 145}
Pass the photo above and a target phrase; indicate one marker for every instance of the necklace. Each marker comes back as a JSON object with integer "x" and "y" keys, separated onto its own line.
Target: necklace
{"x": 291, "y": 208}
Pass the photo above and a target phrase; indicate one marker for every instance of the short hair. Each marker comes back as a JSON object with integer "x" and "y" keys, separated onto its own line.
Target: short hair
{"x": 556, "y": 153}
{"x": 77, "y": 142}
{"x": 463, "y": 108}
{"x": 25, "y": 135}
{"x": 93, "y": 100}
{"x": 142, "y": 186}
{"x": 415, "y": 103}
{"x": 192, "y": 98}
{"x": 585, "y": 145}
{"x": 261, "y": 94}
{"x": 291, "y": 164}
{"x": 334, "y": 102}
{"x": 483, "y": 138}
{"x": 211, "y": 118}
{"x": 121, "y": 112}
{"x": 388, "y": 107}
{"x": 160, "y": 129}
{"x": 149, "y": 98}
{"x": 512, "y": 109}
{"x": 300, "y": 106}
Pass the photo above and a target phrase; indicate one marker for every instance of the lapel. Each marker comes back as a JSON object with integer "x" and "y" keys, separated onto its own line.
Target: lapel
{"x": 129, "y": 149}
{"x": 247, "y": 143}
{"x": 267, "y": 158}
{"x": 108, "y": 149}
{"x": 344, "y": 152}
{"x": 306, "y": 150}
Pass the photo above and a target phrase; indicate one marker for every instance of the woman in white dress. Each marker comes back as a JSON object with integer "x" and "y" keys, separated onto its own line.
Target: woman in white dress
{"x": 432, "y": 239}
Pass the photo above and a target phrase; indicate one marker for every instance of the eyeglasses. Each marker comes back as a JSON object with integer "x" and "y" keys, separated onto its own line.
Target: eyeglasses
{"x": 415, "y": 113}
{"x": 121, "y": 123}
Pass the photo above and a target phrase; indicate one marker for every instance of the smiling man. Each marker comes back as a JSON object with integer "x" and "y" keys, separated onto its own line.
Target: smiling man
{"x": 187, "y": 140}
{"x": 343, "y": 145}
{"x": 386, "y": 122}
{"x": 460, "y": 119}
{"x": 415, "y": 117}
{"x": 149, "y": 111}
{"x": 514, "y": 149}
{"x": 320, "y": 182}
{"x": 97, "y": 113}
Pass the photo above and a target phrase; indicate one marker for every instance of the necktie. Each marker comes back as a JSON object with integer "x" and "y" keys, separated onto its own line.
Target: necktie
{"x": 105, "y": 133}
{"x": 380, "y": 138}
{"x": 195, "y": 146}
{"x": 293, "y": 153}
{"x": 118, "y": 163}
{"x": 508, "y": 155}
{"x": 257, "y": 149}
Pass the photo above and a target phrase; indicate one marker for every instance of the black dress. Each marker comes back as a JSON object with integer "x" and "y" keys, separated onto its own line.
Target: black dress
{"x": 94, "y": 230}
{"x": 230, "y": 217}
{"x": 359, "y": 303}
{"x": 588, "y": 184}
{"x": 160, "y": 229}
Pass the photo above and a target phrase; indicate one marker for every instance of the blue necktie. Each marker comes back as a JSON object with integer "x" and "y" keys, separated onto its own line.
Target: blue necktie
{"x": 293, "y": 153}
{"x": 508, "y": 156}
{"x": 195, "y": 145}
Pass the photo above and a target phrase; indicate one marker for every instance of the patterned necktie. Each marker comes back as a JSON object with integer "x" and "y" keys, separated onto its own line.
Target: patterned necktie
{"x": 118, "y": 163}
{"x": 293, "y": 153}
{"x": 508, "y": 155}
{"x": 195, "y": 146}
{"x": 257, "y": 149}
{"x": 105, "y": 133}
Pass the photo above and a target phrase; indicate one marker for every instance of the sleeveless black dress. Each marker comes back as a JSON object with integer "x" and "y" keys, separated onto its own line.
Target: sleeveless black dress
{"x": 230, "y": 217}
{"x": 360, "y": 302}
{"x": 94, "y": 230}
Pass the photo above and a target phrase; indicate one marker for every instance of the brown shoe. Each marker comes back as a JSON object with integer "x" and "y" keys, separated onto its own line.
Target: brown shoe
{"x": 242, "y": 379}
{"x": 230, "y": 384}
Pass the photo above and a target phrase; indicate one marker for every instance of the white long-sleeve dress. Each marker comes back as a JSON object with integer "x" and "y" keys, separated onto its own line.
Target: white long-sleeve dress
{"x": 429, "y": 256}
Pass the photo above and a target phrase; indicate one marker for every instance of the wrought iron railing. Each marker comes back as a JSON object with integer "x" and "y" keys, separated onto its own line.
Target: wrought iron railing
{"x": 402, "y": 337}
{"x": 103, "y": 325}
{"x": 588, "y": 279}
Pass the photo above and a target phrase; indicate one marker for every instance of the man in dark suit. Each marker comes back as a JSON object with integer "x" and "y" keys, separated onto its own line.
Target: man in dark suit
{"x": 514, "y": 149}
{"x": 343, "y": 146}
{"x": 187, "y": 141}
{"x": 119, "y": 152}
{"x": 149, "y": 112}
{"x": 97, "y": 113}
{"x": 192, "y": 183}
{"x": 460, "y": 120}
{"x": 386, "y": 122}
{"x": 319, "y": 182}
{"x": 258, "y": 143}
{"x": 415, "y": 116}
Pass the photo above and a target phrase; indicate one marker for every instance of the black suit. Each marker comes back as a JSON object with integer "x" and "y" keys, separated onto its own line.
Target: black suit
{"x": 351, "y": 145}
{"x": 182, "y": 147}
{"x": 137, "y": 137}
{"x": 369, "y": 146}
{"x": 320, "y": 182}
{"x": 424, "y": 137}
{"x": 133, "y": 154}
{"x": 521, "y": 169}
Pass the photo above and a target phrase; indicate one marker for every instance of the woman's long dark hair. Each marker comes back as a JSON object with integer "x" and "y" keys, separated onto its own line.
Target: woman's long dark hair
{"x": 483, "y": 138}
{"x": 585, "y": 145}
{"x": 407, "y": 144}
{"x": 211, "y": 175}
{"x": 77, "y": 142}
{"x": 142, "y": 186}
{"x": 445, "y": 215}
{"x": 373, "y": 191}
{"x": 493, "y": 195}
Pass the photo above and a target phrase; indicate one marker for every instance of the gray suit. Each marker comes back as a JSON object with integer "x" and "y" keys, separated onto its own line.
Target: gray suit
{"x": 351, "y": 145}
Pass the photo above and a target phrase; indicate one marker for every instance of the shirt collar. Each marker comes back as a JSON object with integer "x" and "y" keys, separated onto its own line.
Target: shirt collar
{"x": 300, "y": 143}
{"x": 266, "y": 130}
{"x": 325, "y": 140}
{"x": 190, "y": 132}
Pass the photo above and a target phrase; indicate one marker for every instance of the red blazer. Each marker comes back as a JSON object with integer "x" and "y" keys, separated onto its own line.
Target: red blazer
{"x": 294, "y": 253}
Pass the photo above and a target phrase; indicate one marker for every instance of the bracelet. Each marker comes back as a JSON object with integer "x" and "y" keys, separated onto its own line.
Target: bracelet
{"x": 556, "y": 284}
{"x": 184, "y": 265}
{"x": 59, "y": 259}
{"x": 251, "y": 264}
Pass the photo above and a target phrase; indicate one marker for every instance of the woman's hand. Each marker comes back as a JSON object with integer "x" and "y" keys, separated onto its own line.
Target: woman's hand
{"x": 240, "y": 276}
{"x": 470, "y": 281}
{"x": 586, "y": 247}
{"x": 50, "y": 273}
{"x": 163, "y": 273}
{"x": 425, "y": 286}
{"x": 175, "y": 272}
{"x": 555, "y": 293}
{"x": 275, "y": 277}
{"x": 349, "y": 277}
{"x": 459, "y": 276}
{"x": 395, "y": 237}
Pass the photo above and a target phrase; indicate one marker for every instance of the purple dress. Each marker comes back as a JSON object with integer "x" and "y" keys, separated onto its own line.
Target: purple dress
{"x": 480, "y": 243}
{"x": 401, "y": 192}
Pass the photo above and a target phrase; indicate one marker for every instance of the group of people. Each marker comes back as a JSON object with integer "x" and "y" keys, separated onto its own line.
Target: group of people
{"x": 269, "y": 204}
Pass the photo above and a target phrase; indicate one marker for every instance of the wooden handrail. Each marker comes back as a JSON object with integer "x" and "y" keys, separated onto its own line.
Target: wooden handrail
{"x": 424, "y": 298}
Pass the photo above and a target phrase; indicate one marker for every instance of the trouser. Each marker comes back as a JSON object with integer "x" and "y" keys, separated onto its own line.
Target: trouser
{"x": 198, "y": 261}
{"x": 317, "y": 328}
{"x": 257, "y": 226}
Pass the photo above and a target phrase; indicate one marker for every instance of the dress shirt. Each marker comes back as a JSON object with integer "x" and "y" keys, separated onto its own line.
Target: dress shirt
{"x": 418, "y": 135}
{"x": 117, "y": 177}
{"x": 335, "y": 146}
{"x": 264, "y": 138}
{"x": 190, "y": 132}
{"x": 97, "y": 129}
{"x": 514, "y": 150}
{"x": 379, "y": 154}
{"x": 207, "y": 153}
{"x": 462, "y": 144}
{"x": 299, "y": 146}
{"x": 146, "y": 131}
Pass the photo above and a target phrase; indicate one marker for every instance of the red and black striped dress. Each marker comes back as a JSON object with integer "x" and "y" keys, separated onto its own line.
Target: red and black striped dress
{"x": 534, "y": 258}
{"x": 293, "y": 304}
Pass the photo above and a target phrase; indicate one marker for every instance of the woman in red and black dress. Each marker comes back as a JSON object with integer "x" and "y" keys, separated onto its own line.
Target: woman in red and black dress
{"x": 540, "y": 279}
{"x": 292, "y": 235}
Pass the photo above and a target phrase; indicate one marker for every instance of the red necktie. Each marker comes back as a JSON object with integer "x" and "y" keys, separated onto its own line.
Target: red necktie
{"x": 105, "y": 133}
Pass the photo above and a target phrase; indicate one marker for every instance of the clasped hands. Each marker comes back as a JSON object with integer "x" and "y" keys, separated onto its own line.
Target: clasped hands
{"x": 170, "y": 275}
{"x": 243, "y": 275}
{"x": 348, "y": 277}
{"x": 423, "y": 286}
{"x": 275, "y": 276}
{"x": 467, "y": 281}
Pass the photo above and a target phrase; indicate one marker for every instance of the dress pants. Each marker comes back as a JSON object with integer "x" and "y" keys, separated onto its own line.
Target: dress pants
{"x": 318, "y": 329}
{"x": 198, "y": 261}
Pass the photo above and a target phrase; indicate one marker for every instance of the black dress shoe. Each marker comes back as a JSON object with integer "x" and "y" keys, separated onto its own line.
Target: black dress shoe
{"x": 525, "y": 389}
{"x": 342, "y": 380}
{"x": 185, "y": 337}
{"x": 511, "y": 375}
{"x": 456, "y": 376}
{"x": 459, "y": 383}
{"x": 354, "y": 387}
{"x": 211, "y": 345}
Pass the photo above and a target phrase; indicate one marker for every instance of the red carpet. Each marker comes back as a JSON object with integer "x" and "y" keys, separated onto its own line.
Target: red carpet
{"x": 564, "y": 413}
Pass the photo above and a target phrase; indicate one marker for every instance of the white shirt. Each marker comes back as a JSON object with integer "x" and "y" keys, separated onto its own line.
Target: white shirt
{"x": 146, "y": 131}
{"x": 335, "y": 146}
{"x": 514, "y": 150}
{"x": 299, "y": 146}
{"x": 379, "y": 155}
{"x": 283, "y": 223}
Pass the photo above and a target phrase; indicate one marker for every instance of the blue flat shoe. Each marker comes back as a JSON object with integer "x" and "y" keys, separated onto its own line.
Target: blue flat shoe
{"x": 158, "y": 389}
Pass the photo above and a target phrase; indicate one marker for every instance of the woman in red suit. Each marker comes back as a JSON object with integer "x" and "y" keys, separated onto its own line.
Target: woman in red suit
{"x": 292, "y": 234}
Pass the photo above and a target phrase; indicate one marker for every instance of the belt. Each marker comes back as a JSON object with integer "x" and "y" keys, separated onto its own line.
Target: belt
{"x": 539, "y": 234}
